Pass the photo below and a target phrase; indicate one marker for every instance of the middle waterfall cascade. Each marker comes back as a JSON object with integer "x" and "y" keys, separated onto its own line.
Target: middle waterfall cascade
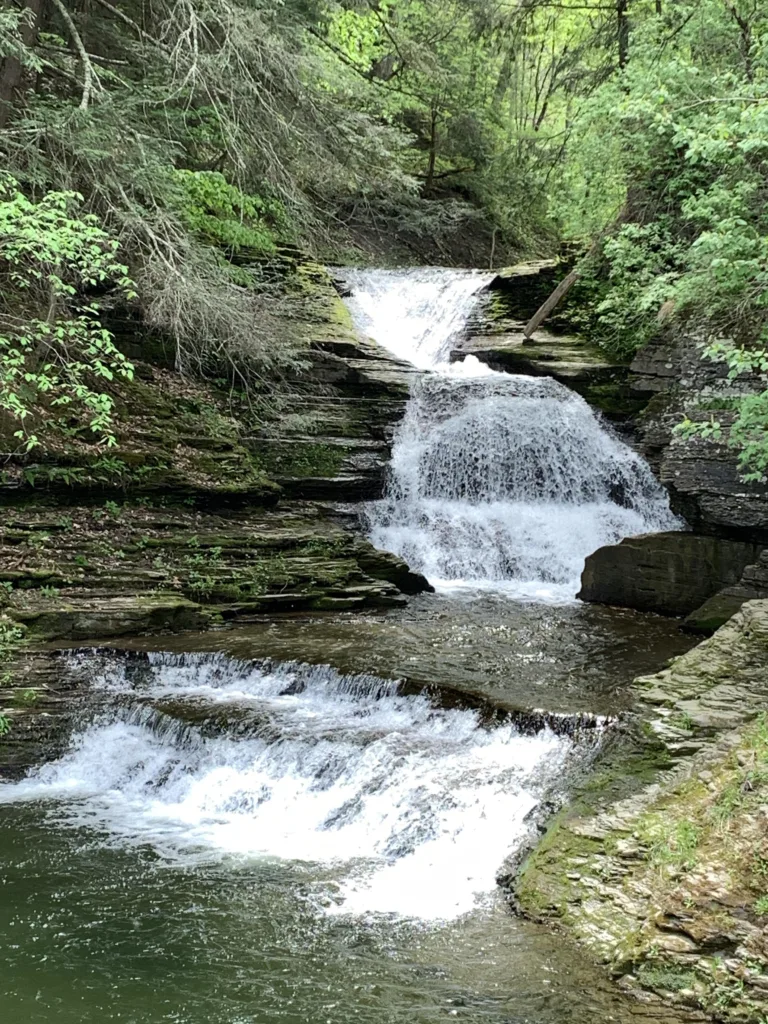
{"x": 496, "y": 480}
{"x": 411, "y": 807}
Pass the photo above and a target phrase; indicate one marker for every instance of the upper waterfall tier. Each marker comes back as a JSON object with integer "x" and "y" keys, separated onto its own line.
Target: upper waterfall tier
{"x": 415, "y": 313}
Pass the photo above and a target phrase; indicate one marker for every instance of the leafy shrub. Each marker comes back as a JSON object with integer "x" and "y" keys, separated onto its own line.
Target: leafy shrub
{"x": 220, "y": 214}
{"x": 51, "y": 256}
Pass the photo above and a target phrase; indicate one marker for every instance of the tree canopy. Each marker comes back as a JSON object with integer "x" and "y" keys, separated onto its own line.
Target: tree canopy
{"x": 207, "y": 136}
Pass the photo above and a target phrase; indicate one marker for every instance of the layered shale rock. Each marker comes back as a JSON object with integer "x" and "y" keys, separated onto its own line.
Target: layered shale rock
{"x": 495, "y": 336}
{"x": 752, "y": 584}
{"x": 699, "y": 574}
{"x": 701, "y": 473}
{"x": 198, "y": 514}
{"x": 667, "y": 884}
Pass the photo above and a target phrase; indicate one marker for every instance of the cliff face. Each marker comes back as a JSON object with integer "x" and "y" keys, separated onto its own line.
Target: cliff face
{"x": 702, "y": 474}
{"x": 707, "y": 574}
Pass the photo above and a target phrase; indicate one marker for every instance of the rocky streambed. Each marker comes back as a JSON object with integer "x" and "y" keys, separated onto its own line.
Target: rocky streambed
{"x": 237, "y": 530}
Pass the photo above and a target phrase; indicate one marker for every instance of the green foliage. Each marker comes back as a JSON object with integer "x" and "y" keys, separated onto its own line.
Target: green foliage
{"x": 640, "y": 262}
{"x": 667, "y": 977}
{"x": 480, "y": 92}
{"x": 669, "y": 158}
{"x": 11, "y": 639}
{"x": 208, "y": 134}
{"x": 220, "y": 214}
{"x": 672, "y": 845}
{"x": 51, "y": 253}
{"x": 112, "y": 509}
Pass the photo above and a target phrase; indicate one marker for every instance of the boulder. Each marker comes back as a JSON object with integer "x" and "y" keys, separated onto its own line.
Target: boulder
{"x": 670, "y": 573}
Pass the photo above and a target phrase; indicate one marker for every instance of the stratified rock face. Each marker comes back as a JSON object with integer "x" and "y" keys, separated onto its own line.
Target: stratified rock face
{"x": 89, "y": 573}
{"x": 335, "y": 442}
{"x": 702, "y": 474}
{"x": 495, "y": 337}
{"x": 205, "y": 517}
{"x": 726, "y": 602}
{"x": 670, "y": 573}
{"x": 697, "y": 574}
{"x": 668, "y": 885}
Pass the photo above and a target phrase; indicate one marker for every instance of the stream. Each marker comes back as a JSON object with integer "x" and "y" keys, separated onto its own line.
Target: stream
{"x": 277, "y": 823}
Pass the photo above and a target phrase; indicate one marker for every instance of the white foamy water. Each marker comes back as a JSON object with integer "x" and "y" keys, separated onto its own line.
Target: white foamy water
{"x": 411, "y": 808}
{"x": 415, "y": 313}
{"x": 497, "y": 481}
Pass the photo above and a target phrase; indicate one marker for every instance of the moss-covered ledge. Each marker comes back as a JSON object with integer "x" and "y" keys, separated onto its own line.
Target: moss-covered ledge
{"x": 138, "y": 566}
{"x": 669, "y": 886}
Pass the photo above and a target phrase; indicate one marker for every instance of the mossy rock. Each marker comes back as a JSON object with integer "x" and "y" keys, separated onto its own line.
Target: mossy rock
{"x": 116, "y": 616}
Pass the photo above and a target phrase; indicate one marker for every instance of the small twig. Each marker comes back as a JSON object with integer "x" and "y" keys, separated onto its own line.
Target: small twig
{"x": 128, "y": 21}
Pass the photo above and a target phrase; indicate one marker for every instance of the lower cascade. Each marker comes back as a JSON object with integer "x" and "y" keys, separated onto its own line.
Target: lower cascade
{"x": 496, "y": 480}
{"x": 411, "y": 807}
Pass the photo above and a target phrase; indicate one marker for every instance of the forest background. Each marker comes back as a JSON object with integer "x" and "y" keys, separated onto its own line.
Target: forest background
{"x": 168, "y": 156}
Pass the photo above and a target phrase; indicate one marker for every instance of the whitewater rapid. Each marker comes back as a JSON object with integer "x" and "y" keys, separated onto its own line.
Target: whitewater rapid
{"x": 497, "y": 481}
{"x": 408, "y": 808}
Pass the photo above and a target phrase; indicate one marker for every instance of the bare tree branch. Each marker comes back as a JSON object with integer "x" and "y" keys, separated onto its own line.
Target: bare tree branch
{"x": 90, "y": 78}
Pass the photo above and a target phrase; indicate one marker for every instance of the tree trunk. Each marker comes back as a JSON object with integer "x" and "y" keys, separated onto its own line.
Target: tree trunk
{"x": 623, "y": 30}
{"x": 12, "y": 70}
{"x": 546, "y": 307}
{"x": 432, "y": 151}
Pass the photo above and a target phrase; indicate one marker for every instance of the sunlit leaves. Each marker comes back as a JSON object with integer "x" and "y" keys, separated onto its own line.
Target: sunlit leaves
{"x": 52, "y": 253}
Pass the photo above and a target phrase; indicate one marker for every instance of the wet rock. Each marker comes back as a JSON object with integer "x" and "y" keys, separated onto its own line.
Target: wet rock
{"x": 78, "y": 619}
{"x": 702, "y": 474}
{"x": 495, "y": 336}
{"x": 571, "y": 361}
{"x": 670, "y": 573}
{"x": 726, "y": 602}
{"x": 385, "y": 565}
{"x": 139, "y": 570}
{"x": 665, "y": 885}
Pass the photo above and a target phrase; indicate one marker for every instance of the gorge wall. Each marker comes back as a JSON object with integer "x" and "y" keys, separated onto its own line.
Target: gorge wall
{"x": 212, "y": 507}
{"x": 657, "y": 867}
{"x": 720, "y": 564}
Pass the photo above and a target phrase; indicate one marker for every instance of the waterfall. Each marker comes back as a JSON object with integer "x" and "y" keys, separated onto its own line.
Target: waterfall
{"x": 410, "y": 808}
{"x": 415, "y": 313}
{"x": 497, "y": 480}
